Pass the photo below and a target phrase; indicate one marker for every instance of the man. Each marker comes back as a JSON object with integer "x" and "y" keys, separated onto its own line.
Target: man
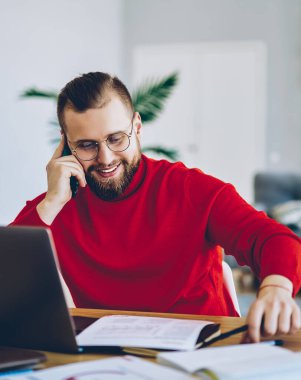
{"x": 142, "y": 234}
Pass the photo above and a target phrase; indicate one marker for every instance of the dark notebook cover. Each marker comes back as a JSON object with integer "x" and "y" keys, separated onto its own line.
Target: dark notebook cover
{"x": 11, "y": 357}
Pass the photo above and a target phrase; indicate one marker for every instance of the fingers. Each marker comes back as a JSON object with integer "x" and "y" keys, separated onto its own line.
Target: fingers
{"x": 60, "y": 148}
{"x": 59, "y": 171}
{"x": 254, "y": 320}
{"x": 271, "y": 316}
{"x": 282, "y": 318}
{"x": 271, "y": 320}
{"x": 68, "y": 167}
{"x": 76, "y": 171}
{"x": 284, "y": 321}
{"x": 295, "y": 320}
{"x": 68, "y": 161}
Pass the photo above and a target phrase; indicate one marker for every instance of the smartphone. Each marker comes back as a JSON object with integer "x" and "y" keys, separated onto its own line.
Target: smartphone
{"x": 73, "y": 180}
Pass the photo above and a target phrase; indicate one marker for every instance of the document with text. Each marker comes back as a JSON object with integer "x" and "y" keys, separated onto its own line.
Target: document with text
{"x": 238, "y": 362}
{"x": 148, "y": 332}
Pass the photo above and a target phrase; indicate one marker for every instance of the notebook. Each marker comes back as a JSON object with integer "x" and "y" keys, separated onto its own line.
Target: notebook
{"x": 11, "y": 357}
{"x": 260, "y": 361}
{"x": 34, "y": 313}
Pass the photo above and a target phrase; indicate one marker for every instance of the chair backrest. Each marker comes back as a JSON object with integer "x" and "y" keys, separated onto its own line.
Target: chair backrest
{"x": 67, "y": 294}
{"x": 230, "y": 286}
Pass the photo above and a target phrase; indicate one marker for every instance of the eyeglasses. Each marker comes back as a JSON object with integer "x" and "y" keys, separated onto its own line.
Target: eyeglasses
{"x": 117, "y": 142}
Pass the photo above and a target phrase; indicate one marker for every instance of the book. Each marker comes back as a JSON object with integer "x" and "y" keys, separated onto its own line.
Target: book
{"x": 143, "y": 335}
{"x": 237, "y": 362}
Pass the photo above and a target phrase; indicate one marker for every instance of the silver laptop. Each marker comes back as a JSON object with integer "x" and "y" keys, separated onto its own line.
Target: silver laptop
{"x": 33, "y": 310}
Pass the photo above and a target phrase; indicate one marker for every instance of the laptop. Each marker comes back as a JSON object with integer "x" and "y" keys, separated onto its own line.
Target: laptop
{"x": 33, "y": 309}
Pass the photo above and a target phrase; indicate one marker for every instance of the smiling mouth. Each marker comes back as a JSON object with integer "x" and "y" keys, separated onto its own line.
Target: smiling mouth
{"x": 109, "y": 171}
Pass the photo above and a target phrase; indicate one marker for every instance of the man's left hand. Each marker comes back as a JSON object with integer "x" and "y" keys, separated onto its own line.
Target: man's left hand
{"x": 274, "y": 311}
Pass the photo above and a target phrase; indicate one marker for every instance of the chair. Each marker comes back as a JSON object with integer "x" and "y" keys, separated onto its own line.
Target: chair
{"x": 229, "y": 285}
{"x": 67, "y": 294}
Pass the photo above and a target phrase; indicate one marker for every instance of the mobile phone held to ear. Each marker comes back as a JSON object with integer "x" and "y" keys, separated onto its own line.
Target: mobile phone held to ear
{"x": 73, "y": 180}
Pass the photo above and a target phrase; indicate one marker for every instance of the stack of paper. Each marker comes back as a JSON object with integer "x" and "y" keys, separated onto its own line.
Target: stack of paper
{"x": 119, "y": 368}
{"x": 239, "y": 362}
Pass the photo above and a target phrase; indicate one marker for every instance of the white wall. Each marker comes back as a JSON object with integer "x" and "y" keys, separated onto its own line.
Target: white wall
{"x": 277, "y": 23}
{"x": 216, "y": 117}
{"x": 45, "y": 43}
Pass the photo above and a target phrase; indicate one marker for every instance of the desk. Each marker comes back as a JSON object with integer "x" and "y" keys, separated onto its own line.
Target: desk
{"x": 292, "y": 342}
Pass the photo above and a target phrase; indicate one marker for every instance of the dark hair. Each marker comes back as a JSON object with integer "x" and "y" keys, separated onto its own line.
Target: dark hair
{"x": 91, "y": 90}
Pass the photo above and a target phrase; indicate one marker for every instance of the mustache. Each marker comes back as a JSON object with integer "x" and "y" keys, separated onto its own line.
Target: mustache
{"x": 103, "y": 167}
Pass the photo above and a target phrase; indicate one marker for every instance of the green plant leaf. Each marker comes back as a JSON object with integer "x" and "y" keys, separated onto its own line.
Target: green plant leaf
{"x": 55, "y": 141}
{"x": 149, "y": 99}
{"x": 170, "y": 153}
{"x": 54, "y": 122}
{"x": 34, "y": 92}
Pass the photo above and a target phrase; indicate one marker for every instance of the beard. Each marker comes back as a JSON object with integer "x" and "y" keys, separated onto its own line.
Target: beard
{"x": 109, "y": 189}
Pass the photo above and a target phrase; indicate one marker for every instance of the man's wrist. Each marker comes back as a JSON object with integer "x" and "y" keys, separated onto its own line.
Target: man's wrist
{"x": 48, "y": 210}
{"x": 276, "y": 281}
{"x": 275, "y": 286}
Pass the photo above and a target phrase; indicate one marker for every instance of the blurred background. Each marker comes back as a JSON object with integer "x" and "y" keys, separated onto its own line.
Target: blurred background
{"x": 235, "y": 111}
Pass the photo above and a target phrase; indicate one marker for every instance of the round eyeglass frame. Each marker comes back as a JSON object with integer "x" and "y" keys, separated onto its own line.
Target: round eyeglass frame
{"x": 97, "y": 144}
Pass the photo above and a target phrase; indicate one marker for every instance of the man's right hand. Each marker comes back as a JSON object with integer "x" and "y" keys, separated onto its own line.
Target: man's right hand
{"x": 59, "y": 171}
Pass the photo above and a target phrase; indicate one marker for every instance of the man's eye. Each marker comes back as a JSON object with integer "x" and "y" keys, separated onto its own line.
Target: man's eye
{"x": 116, "y": 139}
{"x": 86, "y": 145}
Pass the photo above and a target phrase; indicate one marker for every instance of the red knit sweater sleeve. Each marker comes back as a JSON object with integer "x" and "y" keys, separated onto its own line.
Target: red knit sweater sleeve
{"x": 28, "y": 216}
{"x": 254, "y": 239}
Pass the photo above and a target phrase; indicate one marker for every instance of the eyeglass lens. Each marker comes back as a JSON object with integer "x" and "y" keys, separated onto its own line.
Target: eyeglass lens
{"x": 88, "y": 150}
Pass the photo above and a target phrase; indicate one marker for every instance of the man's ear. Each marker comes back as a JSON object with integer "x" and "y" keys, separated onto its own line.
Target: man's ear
{"x": 137, "y": 123}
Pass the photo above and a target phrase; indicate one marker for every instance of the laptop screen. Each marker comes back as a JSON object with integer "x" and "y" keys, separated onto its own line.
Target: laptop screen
{"x": 33, "y": 311}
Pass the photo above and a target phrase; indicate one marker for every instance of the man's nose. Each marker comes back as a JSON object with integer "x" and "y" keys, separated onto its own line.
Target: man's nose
{"x": 105, "y": 155}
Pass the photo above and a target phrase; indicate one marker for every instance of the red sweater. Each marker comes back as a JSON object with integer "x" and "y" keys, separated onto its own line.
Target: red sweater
{"x": 157, "y": 248}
